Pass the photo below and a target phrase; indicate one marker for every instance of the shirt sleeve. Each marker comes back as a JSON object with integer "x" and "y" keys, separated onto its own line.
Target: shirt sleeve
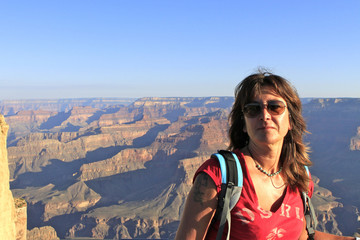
{"x": 212, "y": 168}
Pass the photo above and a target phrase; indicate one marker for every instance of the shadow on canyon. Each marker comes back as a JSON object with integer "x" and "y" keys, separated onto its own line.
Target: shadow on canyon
{"x": 62, "y": 174}
{"x": 148, "y": 183}
{"x": 55, "y": 121}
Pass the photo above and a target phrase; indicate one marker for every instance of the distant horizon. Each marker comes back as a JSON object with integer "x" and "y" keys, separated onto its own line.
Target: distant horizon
{"x": 135, "y": 98}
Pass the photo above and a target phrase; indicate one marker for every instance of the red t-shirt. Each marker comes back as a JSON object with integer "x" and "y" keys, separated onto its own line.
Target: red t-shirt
{"x": 248, "y": 219}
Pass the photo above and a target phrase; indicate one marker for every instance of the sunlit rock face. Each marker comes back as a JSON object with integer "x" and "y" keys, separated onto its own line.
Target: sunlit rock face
{"x": 43, "y": 233}
{"x": 7, "y": 205}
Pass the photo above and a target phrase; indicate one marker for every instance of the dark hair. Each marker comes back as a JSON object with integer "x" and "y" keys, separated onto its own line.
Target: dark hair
{"x": 294, "y": 154}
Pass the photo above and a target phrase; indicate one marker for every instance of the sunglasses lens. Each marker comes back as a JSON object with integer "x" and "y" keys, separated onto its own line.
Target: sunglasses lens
{"x": 276, "y": 107}
{"x": 252, "y": 109}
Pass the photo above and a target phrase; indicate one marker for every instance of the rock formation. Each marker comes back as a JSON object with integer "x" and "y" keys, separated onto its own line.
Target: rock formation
{"x": 42, "y": 233}
{"x": 21, "y": 218}
{"x": 355, "y": 141}
{"x": 7, "y": 205}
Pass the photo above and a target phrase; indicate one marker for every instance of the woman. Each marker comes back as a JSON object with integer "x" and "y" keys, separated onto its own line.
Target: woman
{"x": 266, "y": 134}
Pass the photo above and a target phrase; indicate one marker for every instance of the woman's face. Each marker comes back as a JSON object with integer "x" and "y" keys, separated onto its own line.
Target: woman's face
{"x": 267, "y": 127}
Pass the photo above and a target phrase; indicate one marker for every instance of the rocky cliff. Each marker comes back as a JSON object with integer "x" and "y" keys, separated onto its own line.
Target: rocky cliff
{"x": 7, "y": 204}
{"x": 124, "y": 171}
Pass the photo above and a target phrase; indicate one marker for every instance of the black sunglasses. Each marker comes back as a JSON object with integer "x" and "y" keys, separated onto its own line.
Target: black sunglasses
{"x": 274, "y": 107}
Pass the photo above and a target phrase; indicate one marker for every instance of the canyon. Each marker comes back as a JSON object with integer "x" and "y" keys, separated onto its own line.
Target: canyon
{"x": 122, "y": 168}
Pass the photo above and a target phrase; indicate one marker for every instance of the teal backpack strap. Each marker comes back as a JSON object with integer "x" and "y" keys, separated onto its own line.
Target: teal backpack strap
{"x": 231, "y": 186}
{"x": 309, "y": 213}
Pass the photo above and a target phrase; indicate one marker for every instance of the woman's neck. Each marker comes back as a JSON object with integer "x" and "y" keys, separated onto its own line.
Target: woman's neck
{"x": 267, "y": 157}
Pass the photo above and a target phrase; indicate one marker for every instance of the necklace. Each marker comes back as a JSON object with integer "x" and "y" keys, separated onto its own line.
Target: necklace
{"x": 276, "y": 186}
{"x": 261, "y": 169}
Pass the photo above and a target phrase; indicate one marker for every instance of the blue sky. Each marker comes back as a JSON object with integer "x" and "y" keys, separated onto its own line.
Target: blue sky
{"x": 138, "y": 48}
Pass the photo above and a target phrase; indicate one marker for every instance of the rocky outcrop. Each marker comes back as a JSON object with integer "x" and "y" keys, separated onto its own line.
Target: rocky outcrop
{"x": 7, "y": 204}
{"x": 77, "y": 198}
{"x": 125, "y": 161}
{"x": 21, "y": 218}
{"x": 355, "y": 141}
{"x": 42, "y": 233}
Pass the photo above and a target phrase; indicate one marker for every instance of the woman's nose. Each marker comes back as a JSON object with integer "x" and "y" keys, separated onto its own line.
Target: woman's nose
{"x": 264, "y": 114}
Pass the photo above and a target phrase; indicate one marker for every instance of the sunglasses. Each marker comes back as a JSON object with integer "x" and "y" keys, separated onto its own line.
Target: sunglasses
{"x": 275, "y": 107}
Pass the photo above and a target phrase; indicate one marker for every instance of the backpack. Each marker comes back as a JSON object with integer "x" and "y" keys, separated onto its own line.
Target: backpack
{"x": 231, "y": 186}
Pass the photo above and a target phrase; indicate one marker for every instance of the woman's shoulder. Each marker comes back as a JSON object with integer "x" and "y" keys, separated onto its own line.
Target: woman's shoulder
{"x": 212, "y": 168}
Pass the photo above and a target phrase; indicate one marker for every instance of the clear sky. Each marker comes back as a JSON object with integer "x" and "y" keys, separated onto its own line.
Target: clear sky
{"x": 138, "y": 48}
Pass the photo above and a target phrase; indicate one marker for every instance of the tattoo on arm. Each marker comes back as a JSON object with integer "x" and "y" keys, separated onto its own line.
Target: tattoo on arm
{"x": 200, "y": 186}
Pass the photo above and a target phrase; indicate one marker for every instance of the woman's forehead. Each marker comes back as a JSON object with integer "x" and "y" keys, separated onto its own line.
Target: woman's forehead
{"x": 266, "y": 91}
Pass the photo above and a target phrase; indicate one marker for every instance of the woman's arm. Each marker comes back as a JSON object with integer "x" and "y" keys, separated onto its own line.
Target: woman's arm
{"x": 322, "y": 235}
{"x": 199, "y": 209}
